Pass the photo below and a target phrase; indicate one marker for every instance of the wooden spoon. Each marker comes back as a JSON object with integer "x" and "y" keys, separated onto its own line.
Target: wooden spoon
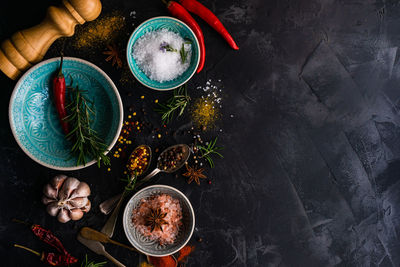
{"x": 91, "y": 234}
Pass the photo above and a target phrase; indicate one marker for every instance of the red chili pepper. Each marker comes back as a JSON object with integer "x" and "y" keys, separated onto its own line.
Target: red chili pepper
{"x": 181, "y": 13}
{"x": 48, "y": 237}
{"x": 51, "y": 258}
{"x": 59, "y": 88}
{"x": 209, "y": 17}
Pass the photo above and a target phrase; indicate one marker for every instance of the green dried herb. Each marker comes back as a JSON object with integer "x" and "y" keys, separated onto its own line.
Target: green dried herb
{"x": 210, "y": 149}
{"x": 183, "y": 54}
{"x": 86, "y": 142}
{"x": 177, "y": 103}
{"x": 130, "y": 182}
{"x": 86, "y": 263}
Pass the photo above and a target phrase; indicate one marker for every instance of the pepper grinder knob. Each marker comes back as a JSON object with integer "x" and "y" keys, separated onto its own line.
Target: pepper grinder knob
{"x": 29, "y": 46}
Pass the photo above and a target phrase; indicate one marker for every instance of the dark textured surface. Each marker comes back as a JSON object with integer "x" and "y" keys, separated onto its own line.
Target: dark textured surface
{"x": 312, "y": 152}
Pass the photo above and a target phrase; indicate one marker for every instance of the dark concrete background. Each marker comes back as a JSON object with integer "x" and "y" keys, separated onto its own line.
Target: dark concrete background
{"x": 312, "y": 149}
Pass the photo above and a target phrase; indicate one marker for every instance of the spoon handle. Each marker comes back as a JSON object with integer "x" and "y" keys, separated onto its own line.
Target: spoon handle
{"x": 122, "y": 245}
{"x": 148, "y": 177}
{"x": 112, "y": 259}
{"x": 108, "y": 228}
{"x": 108, "y": 205}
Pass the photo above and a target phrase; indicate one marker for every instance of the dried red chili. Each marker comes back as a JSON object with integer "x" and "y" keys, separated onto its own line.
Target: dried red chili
{"x": 181, "y": 13}
{"x": 59, "y": 89}
{"x": 48, "y": 237}
{"x": 209, "y": 17}
{"x": 50, "y": 258}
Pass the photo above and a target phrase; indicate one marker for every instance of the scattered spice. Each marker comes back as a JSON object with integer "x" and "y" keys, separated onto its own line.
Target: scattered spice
{"x": 206, "y": 110}
{"x": 171, "y": 158}
{"x": 185, "y": 252}
{"x": 99, "y": 32}
{"x": 167, "y": 261}
{"x": 138, "y": 161}
{"x": 194, "y": 174}
{"x": 113, "y": 55}
{"x": 204, "y": 113}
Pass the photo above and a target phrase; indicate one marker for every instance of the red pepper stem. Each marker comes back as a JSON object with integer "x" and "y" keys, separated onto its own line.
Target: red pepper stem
{"x": 60, "y": 69}
{"x": 28, "y": 249}
{"x": 165, "y": 2}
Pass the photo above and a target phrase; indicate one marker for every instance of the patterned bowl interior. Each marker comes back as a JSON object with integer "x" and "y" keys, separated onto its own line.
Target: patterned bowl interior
{"x": 34, "y": 120}
{"x": 143, "y": 243}
{"x": 176, "y": 26}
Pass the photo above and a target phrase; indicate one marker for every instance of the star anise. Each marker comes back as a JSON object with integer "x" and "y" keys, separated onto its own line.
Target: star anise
{"x": 113, "y": 54}
{"x": 194, "y": 174}
{"x": 156, "y": 219}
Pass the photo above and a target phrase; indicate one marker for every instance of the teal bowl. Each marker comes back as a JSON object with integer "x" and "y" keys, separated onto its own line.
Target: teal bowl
{"x": 173, "y": 25}
{"x": 34, "y": 121}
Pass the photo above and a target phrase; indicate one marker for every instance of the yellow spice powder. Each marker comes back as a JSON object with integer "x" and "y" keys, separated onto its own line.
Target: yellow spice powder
{"x": 100, "y": 31}
{"x": 205, "y": 112}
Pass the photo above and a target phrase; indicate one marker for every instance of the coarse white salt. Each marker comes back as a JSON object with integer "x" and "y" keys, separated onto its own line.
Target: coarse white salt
{"x": 158, "y": 55}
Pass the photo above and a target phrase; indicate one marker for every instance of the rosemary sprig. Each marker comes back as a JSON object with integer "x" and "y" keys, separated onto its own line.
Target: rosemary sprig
{"x": 183, "y": 53}
{"x": 207, "y": 151}
{"x": 86, "y": 142}
{"x": 130, "y": 182}
{"x": 177, "y": 103}
{"x": 86, "y": 263}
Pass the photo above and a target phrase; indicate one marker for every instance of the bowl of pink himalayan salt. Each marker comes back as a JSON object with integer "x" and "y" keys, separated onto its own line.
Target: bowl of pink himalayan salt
{"x": 158, "y": 220}
{"x": 163, "y": 53}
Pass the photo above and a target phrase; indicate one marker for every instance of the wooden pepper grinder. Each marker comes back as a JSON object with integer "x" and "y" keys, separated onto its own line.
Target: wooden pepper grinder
{"x": 29, "y": 46}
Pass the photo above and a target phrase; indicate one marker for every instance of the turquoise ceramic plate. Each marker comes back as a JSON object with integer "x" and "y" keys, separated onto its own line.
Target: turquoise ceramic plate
{"x": 34, "y": 120}
{"x": 171, "y": 24}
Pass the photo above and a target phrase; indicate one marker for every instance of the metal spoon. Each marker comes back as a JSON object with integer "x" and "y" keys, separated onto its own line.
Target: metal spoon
{"x": 107, "y": 206}
{"x": 160, "y": 168}
{"x": 108, "y": 228}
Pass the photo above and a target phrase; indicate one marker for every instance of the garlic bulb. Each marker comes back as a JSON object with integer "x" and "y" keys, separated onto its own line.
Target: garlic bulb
{"x": 66, "y": 198}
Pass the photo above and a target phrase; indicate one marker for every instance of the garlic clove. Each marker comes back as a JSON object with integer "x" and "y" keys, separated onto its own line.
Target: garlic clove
{"x": 87, "y": 207}
{"x": 58, "y": 181}
{"x": 83, "y": 190}
{"x": 69, "y": 185}
{"x": 76, "y": 214}
{"x": 49, "y": 191}
{"x": 79, "y": 202}
{"x": 53, "y": 209}
{"x": 46, "y": 200}
{"x": 63, "y": 216}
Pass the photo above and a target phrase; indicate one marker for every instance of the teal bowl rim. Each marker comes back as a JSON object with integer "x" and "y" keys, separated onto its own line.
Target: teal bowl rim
{"x": 33, "y": 68}
{"x": 128, "y": 54}
{"x": 184, "y": 197}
